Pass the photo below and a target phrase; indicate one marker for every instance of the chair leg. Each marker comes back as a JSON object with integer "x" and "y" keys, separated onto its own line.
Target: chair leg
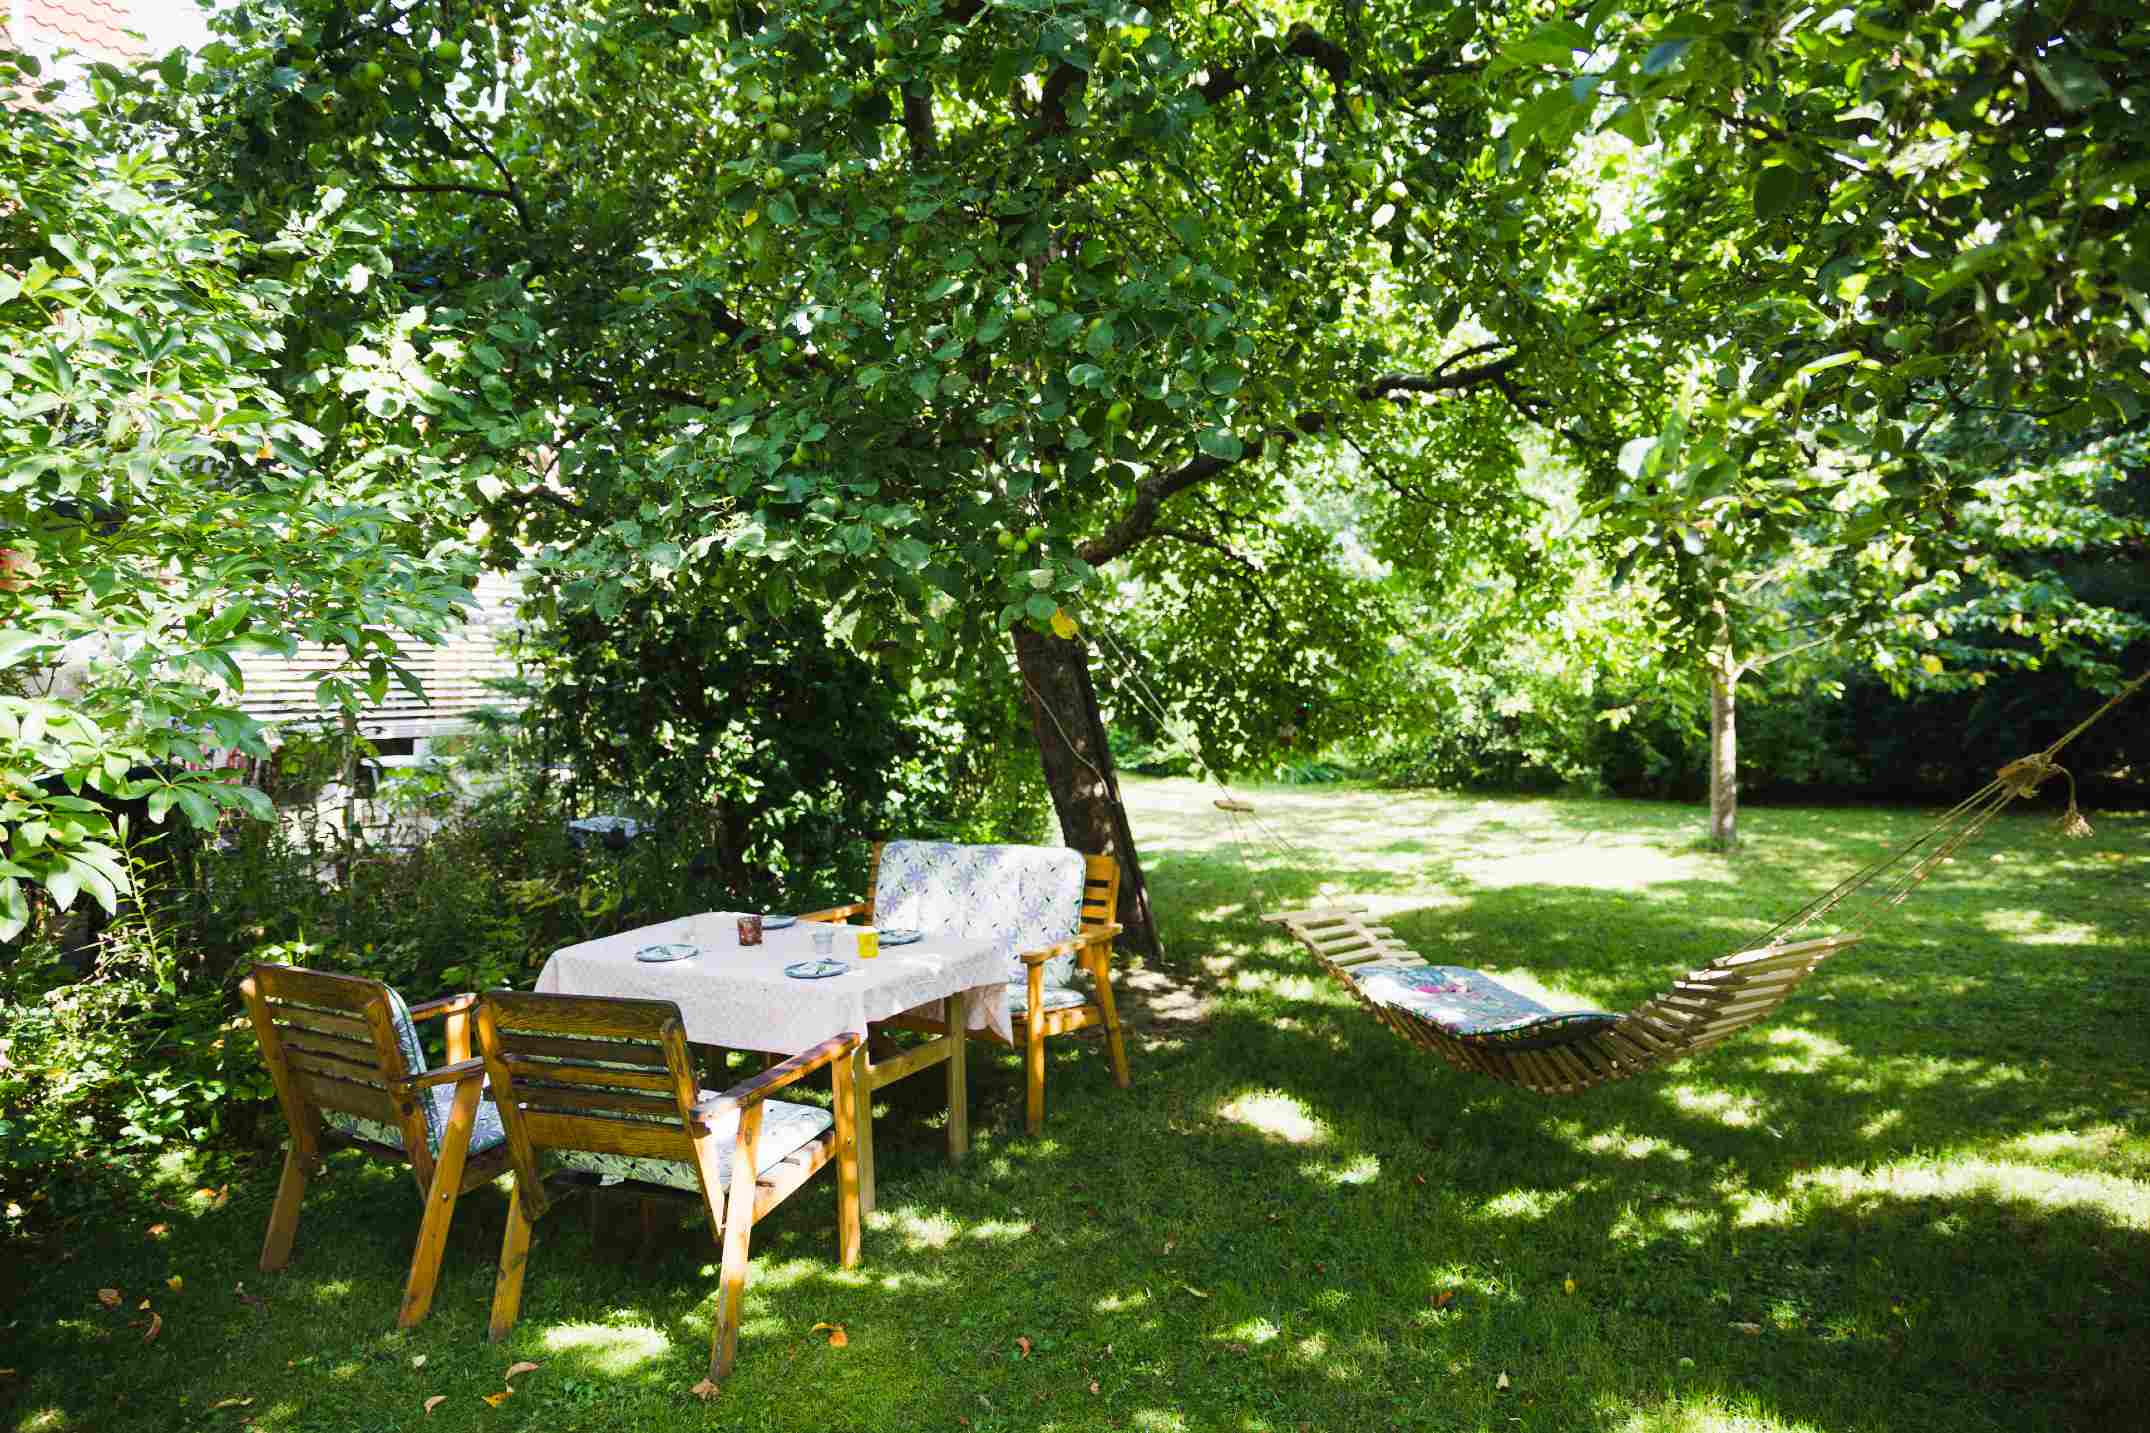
{"x": 1034, "y": 1072}
{"x": 738, "y": 1232}
{"x": 847, "y": 1167}
{"x": 432, "y": 1242}
{"x": 1114, "y": 1046}
{"x": 514, "y": 1254}
{"x": 284, "y": 1214}
{"x": 440, "y": 1208}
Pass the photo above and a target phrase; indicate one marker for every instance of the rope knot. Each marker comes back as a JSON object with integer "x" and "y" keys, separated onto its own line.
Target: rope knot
{"x": 2026, "y": 774}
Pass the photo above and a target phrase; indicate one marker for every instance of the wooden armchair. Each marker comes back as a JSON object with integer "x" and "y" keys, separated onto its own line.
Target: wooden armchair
{"x": 607, "y": 1088}
{"x": 349, "y": 1071}
{"x": 977, "y": 896}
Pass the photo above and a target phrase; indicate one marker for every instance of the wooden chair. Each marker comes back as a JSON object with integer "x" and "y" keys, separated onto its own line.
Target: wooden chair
{"x": 349, "y": 1072}
{"x": 1039, "y": 1006}
{"x": 607, "y": 1087}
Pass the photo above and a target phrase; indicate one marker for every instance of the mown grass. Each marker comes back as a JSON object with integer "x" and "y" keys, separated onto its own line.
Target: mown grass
{"x": 1919, "y": 1199}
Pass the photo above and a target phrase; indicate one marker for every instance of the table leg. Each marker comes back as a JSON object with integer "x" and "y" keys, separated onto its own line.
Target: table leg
{"x": 862, "y": 1095}
{"x": 958, "y": 1080}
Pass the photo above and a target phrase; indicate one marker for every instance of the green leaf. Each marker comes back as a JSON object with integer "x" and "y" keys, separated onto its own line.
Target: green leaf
{"x": 1553, "y": 43}
{"x": 1665, "y": 54}
{"x": 1777, "y": 189}
{"x": 2075, "y": 83}
{"x": 1219, "y": 443}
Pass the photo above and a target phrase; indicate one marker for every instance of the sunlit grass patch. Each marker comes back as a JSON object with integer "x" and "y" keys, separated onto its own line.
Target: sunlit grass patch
{"x": 1275, "y": 1115}
{"x": 607, "y": 1348}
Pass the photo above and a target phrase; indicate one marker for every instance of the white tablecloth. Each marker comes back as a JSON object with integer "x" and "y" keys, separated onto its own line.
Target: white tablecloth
{"x": 739, "y": 997}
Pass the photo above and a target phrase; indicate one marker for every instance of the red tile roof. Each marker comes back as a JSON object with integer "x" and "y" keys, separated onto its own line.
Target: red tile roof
{"x": 95, "y": 27}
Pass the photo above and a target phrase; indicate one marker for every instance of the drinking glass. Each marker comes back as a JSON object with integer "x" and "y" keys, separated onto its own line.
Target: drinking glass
{"x": 824, "y": 938}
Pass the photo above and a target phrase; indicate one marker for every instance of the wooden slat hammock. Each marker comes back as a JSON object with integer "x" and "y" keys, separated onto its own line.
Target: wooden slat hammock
{"x": 1480, "y": 1026}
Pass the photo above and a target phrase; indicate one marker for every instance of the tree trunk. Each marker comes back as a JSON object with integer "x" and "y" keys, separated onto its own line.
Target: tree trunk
{"x": 1078, "y": 770}
{"x": 1724, "y": 758}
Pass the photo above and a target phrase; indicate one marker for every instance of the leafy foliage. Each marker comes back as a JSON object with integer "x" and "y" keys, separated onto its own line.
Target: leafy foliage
{"x": 163, "y": 508}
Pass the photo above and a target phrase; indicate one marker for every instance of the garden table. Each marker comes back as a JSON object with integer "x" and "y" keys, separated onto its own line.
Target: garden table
{"x": 738, "y": 997}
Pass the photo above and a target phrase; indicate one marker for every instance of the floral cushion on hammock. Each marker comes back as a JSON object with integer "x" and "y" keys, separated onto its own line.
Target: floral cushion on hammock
{"x": 1472, "y": 1006}
{"x": 1019, "y": 897}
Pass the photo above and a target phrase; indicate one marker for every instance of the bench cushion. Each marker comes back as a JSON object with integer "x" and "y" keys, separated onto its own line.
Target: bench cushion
{"x": 485, "y": 1130}
{"x": 1473, "y": 1007}
{"x": 1019, "y": 897}
{"x": 786, "y": 1129}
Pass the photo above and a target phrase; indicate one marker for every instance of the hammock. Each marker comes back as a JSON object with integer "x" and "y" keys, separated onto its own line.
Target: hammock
{"x": 1481, "y": 1026}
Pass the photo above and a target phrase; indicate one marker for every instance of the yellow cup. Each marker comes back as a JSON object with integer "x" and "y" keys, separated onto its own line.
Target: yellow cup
{"x": 869, "y": 942}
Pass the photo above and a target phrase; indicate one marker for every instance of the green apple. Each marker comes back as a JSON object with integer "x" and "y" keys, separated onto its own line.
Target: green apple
{"x": 884, "y": 45}
{"x": 766, "y": 104}
{"x": 372, "y": 73}
{"x": 1006, "y": 541}
{"x": 1024, "y": 313}
{"x": 780, "y": 131}
{"x": 1033, "y": 532}
{"x": 414, "y": 77}
{"x": 858, "y": 251}
{"x": 772, "y": 178}
{"x": 448, "y": 52}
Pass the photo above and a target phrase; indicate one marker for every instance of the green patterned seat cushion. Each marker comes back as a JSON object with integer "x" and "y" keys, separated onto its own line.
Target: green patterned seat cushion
{"x": 485, "y": 1131}
{"x": 786, "y": 1129}
{"x": 1473, "y": 1007}
{"x": 1057, "y": 997}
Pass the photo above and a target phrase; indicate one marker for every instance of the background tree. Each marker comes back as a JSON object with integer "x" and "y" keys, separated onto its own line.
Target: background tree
{"x": 163, "y": 509}
{"x": 952, "y": 307}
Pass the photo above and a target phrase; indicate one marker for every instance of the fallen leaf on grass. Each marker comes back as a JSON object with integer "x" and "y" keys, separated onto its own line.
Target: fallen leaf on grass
{"x": 1443, "y": 1299}
{"x": 1023, "y": 1342}
{"x": 496, "y": 1399}
{"x": 419, "y": 1361}
{"x": 514, "y": 1369}
{"x": 837, "y": 1337}
{"x": 705, "y": 1390}
{"x": 142, "y": 1307}
{"x": 1198, "y": 1293}
{"x": 1093, "y": 1385}
{"x": 1568, "y": 1286}
{"x": 1748, "y": 1328}
{"x": 1501, "y": 1382}
{"x": 434, "y": 1402}
{"x": 108, "y": 1297}
{"x": 156, "y": 1326}
{"x": 158, "y": 1231}
{"x": 1454, "y": 1367}
{"x": 175, "y": 1283}
{"x": 230, "y": 1403}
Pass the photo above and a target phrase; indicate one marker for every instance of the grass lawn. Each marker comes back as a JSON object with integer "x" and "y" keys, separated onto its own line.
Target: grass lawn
{"x": 1920, "y": 1199}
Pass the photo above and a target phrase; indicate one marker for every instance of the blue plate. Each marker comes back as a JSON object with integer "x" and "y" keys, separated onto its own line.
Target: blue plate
{"x": 658, "y": 954}
{"x": 815, "y": 969}
{"x": 897, "y": 935}
{"x": 778, "y": 922}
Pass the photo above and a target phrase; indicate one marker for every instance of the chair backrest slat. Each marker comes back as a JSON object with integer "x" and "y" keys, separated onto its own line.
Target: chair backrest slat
{"x": 368, "y": 1102}
{"x": 330, "y": 1042}
{"x": 589, "y": 1073}
{"x": 1100, "y": 891}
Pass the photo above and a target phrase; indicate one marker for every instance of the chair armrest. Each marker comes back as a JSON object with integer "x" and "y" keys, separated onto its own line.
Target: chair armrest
{"x": 453, "y": 1074}
{"x": 443, "y": 1005}
{"x": 1097, "y": 935}
{"x": 840, "y": 913}
{"x": 769, "y": 1081}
